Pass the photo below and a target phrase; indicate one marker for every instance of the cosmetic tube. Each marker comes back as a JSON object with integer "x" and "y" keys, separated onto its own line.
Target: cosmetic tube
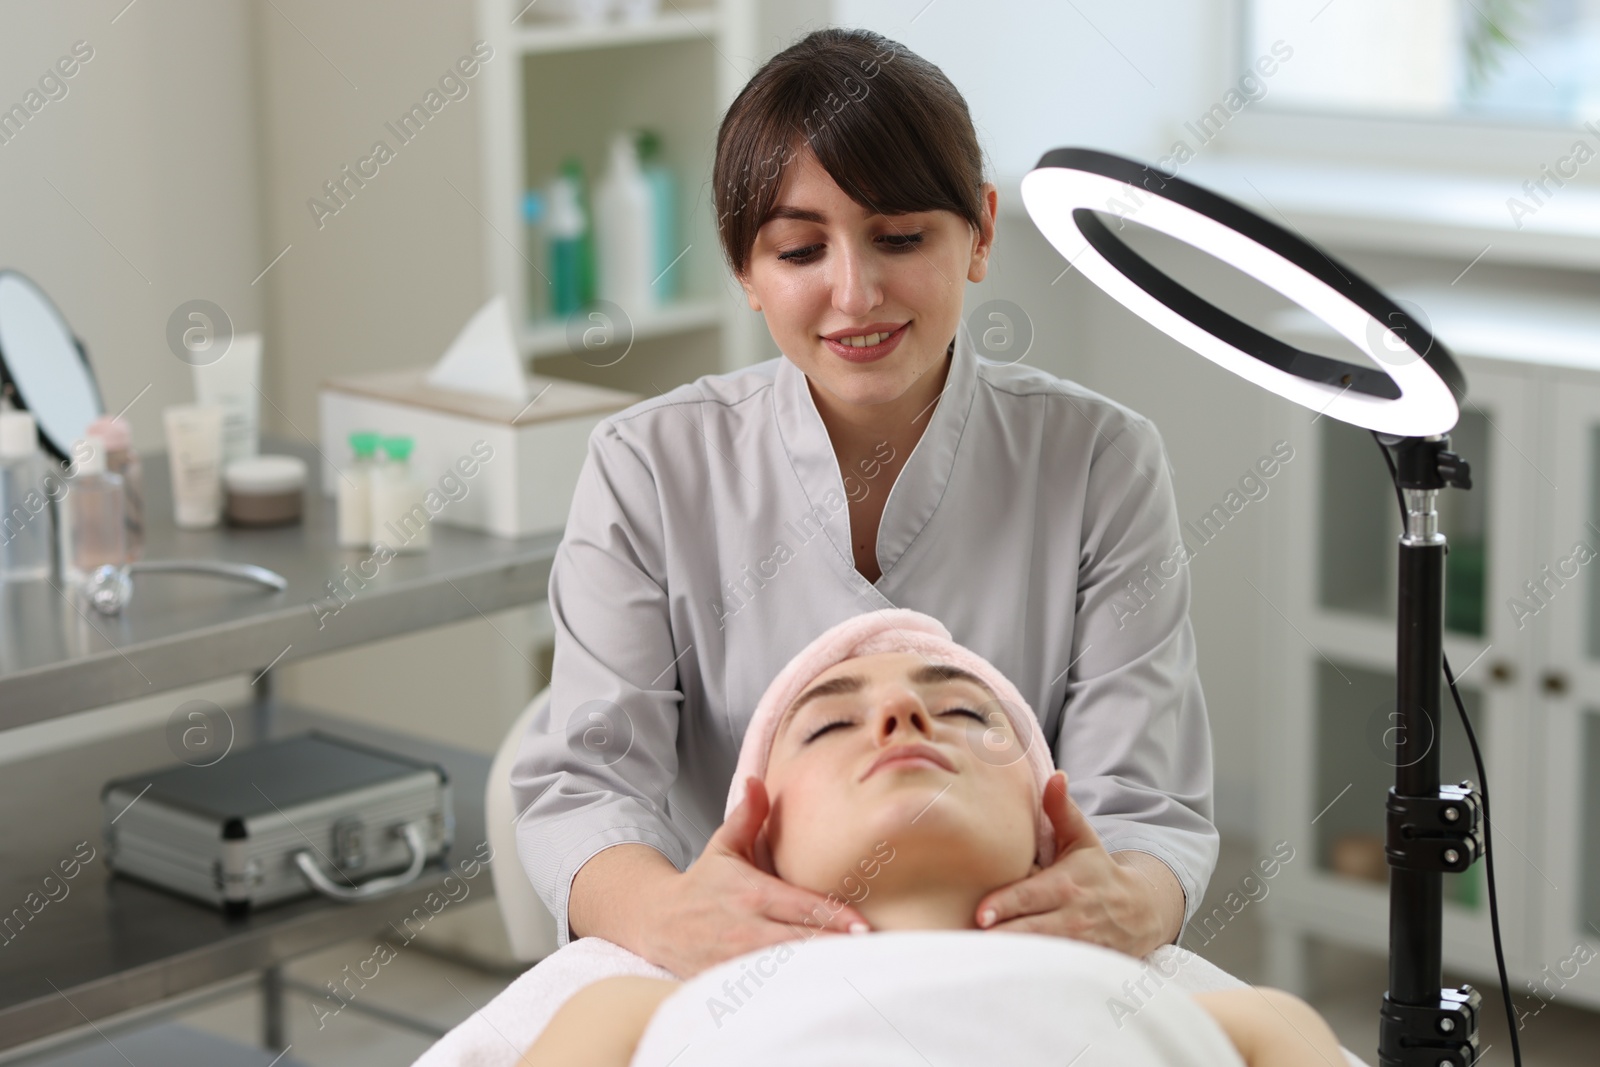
{"x": 194, "y": 457}
{"x": 232, "y": 383}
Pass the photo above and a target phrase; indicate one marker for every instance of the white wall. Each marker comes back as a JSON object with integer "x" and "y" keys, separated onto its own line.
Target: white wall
{"x": 137, "y": 190}
{"x": 389, "y": 280}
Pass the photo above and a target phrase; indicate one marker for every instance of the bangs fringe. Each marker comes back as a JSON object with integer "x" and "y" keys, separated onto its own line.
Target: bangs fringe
{"x": 886, "y": 126}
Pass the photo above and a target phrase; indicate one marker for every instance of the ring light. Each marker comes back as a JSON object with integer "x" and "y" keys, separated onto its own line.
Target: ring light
{"x": 1413, "y": 389}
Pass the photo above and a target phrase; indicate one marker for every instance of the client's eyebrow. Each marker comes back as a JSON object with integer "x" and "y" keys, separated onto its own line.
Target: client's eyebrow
{"x": 927, "y": 674}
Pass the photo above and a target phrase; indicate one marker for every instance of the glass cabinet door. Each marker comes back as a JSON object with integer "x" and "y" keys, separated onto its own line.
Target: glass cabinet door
{"x": 1358, "y": 750}
{"x": 1357, "y": 568}
{"x": 1559, "y": 602}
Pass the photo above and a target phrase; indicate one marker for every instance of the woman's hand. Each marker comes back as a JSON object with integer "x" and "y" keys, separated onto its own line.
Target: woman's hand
{"x": 730, "y": 902}
{"x": 1084, "y": 893}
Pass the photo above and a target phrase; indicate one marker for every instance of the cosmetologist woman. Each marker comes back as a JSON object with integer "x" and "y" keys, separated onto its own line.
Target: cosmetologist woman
{"x": 716, "y": 529}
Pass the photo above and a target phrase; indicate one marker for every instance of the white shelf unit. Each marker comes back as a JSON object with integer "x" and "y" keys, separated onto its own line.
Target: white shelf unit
{"x": 1530, "y": 427}
{"x": 560, "y": 88}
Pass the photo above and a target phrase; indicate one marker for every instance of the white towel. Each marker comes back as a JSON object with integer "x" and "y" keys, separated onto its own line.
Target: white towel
{"x": 908, "y": 998}
{"x": 501, "y": 1030}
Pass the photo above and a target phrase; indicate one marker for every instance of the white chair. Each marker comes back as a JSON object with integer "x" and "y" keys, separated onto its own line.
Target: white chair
{"x": 530, "y": 928}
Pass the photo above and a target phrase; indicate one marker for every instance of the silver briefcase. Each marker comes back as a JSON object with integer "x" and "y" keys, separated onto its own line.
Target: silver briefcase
{"x": 279, "y": 820}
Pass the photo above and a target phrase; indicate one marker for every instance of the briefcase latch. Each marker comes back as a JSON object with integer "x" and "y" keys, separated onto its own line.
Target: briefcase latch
{"x": 349, "y": 843}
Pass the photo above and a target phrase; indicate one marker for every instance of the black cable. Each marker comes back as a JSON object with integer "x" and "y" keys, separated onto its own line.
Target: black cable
{"x": 1483, "y": 791}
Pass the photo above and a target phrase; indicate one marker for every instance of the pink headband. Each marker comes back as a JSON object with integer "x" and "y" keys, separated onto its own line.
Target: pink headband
{"x": 892, "y": 630}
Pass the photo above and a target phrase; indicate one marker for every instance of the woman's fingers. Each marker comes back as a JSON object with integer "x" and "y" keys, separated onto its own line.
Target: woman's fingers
{"x": 725, "y": 904}
{"x": 762, "y": 852}
{"x": 1072, "y": 826}
{"x": 741, "y": 840}
{"x": 738, "y": 834}
{"x": 801, "y": 907}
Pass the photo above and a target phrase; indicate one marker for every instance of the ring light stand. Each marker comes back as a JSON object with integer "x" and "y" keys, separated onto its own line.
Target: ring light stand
{"x": 1409, "y": 399}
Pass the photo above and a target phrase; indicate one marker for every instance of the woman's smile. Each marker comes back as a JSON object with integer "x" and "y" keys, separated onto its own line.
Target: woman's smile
{"x": 854, "y": 346}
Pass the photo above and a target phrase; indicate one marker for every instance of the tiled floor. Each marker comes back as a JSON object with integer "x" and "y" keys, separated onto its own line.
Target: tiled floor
{"x": 1350, "y": 987}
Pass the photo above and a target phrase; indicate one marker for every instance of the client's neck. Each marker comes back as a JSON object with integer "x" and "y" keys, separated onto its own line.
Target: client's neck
{"x": 936, "y": 908}
{"x": 930, "y": 888}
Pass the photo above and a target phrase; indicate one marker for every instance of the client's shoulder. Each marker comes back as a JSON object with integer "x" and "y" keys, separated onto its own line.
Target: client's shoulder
{"x": 600, "y": 1023}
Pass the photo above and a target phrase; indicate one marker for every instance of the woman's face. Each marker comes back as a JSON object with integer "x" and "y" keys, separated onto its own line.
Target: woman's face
{"x": 970, "y": 820}
{"x": 825, "y": 267}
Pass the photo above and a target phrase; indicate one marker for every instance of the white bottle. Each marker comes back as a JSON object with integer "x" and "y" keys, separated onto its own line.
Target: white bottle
{"x": 92, "y": 515}
{"x": 355, "y": 492}
{"x": 625, "y": 231}
{"x": 24, "y": 501}
{"x": 400, "y": 519}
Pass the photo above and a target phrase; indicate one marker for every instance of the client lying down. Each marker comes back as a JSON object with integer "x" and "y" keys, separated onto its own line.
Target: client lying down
{"x": 900, "y": 770}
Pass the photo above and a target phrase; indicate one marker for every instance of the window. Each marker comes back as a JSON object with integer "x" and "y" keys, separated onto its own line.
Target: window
{"x": 1524, "y": 62}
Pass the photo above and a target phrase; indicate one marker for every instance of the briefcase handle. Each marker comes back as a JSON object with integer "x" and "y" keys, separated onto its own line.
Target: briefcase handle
{"x": 376, "y": 887}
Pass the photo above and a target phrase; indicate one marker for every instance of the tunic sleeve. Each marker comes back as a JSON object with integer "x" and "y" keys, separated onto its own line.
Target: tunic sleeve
{"x": 1134, "y": 740}
{"x": 594, "y": 769}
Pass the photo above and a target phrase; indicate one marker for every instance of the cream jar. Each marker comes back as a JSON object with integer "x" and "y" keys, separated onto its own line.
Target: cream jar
{"x": 264, "y": 490}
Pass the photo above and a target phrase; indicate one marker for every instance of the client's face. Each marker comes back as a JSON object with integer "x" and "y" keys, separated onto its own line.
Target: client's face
{"x": 957, "y": 824}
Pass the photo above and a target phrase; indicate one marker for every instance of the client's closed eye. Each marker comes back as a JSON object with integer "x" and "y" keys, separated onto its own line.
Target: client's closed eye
{"x": 825, "y": 727}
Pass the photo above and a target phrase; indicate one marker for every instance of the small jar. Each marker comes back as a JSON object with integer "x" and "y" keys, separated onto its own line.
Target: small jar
{"x": 264, "y": 490}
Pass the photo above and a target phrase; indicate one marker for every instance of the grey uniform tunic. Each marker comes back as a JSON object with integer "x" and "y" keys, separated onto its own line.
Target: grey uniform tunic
{"x": 709, "y": 541}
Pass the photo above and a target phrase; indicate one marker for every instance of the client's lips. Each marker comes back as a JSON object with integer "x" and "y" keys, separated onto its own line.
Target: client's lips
{"x": 911, "y": 751}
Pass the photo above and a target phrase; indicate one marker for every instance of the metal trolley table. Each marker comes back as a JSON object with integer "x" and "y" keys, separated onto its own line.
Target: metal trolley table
{"x": 109, "y": 946}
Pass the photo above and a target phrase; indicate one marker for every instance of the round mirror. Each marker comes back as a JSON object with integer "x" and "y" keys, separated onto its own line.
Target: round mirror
{"x": 45, "y": 365}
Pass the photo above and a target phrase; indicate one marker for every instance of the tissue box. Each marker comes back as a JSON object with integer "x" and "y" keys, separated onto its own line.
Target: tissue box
{"x": 535, "y": 450}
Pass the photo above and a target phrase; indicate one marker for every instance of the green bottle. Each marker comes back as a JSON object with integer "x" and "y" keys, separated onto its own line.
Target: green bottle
{"x": 663, "y": 207}
{"x": 569, "y": 241}
{"x": 572, "y": 170}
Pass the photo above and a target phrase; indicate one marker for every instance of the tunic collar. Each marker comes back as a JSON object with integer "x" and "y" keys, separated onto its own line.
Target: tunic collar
{"x": 917, "y": 490}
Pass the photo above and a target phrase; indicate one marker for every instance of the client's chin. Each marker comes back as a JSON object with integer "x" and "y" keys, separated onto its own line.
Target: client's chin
{"x": 917, "y": 860}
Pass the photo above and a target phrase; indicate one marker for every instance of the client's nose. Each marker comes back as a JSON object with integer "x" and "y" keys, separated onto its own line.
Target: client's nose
{"x": 901, "y": 712}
